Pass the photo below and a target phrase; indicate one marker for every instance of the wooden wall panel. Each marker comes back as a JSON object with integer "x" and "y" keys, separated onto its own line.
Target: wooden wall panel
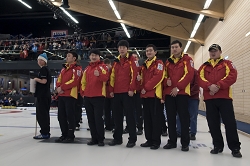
{"x": 230, "y": 35}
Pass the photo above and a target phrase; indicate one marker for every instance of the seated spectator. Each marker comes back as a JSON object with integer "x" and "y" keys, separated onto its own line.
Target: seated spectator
{"x": 20, "y": 102}
{"x": 12, "y": 102}
{"x": 6, "y": 101}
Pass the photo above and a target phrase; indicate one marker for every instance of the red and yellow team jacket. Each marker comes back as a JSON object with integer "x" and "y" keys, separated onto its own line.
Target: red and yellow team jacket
{"x": 220, "y": 72}
{"x": 152, "y": 73}
{"x": 91, "y": 85}
{"x": 181, "y": 72}
{"x": 123, "y": 74}
{"x": 69, "y": 80}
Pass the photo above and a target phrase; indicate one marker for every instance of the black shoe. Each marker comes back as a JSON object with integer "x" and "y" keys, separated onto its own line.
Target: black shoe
{"x": 146, "y": 144}
{"x": 139, "y": 132}
{"x": 42, "y": 136}
{"x": 130, "y": 145}
{"x": 68, "y": 140}
{"x": 216, "y": 150}
{"x": 236, "y": 153}
{"x": 192, "y": 137}
{"x": 154, "y": 147}
{"x": 101, "y": 143}
{"x": 184, "y": 148}
{"x": 92, "y": 142}
{"x": 60, "y": 139}
{"x": 169, "y": 146}
{"x": 164, "y": 133}
{"x": 114, "y": 142}
{"x": 125, "y": 131}
{"x": 78, "y": 128}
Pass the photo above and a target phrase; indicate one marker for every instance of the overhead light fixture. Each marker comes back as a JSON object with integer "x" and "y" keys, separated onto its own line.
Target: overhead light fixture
{"x": 187, "y": 46}
{"x": 24, "y": 3}
{"x": 226, "y": 57}
{"x": 67, "y": 13}
{"x": 118, "y": 17}
{"x": 114, "y": 9}
{"x": 125, "y": 30}
{"x": 201, "y": 16}
{"x": 207, "y": 4}
{"x": 248, "y": 34}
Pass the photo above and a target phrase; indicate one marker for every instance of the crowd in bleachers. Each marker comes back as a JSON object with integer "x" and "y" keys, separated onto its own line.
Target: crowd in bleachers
{"x": 29, "y": 48}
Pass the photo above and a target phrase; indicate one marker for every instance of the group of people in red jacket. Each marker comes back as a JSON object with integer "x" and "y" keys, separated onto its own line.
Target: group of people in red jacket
{"x": 156, "y": 83}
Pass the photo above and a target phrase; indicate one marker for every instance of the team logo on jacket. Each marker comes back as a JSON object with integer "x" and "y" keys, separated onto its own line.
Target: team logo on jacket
{"x": 136, "y": 63}
{"x": 79, "y": 72}
{"x": 160, "y": 66}
{"x": 192, "y": 63}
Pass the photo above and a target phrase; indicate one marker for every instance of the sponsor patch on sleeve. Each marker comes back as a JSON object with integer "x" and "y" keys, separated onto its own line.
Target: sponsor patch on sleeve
{"x": 136, "y": 63}
{"x": 160, "y": 66}
{"x": 192, "y": 63}
{"x": 79, "y": 73}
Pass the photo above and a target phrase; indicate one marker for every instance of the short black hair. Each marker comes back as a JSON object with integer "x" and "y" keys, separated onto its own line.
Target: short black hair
{"x": 95, "y": 51}
{"x": 153, "y": 46}
{"x": 123, "y": 43}
{"x": 175, "y": 42}
{"x": 135, "y": 54}
{"x": 106, "y": 61}
{"x": 74, "y": 54}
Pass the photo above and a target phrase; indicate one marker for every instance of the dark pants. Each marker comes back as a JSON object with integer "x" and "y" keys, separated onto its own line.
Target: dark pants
{"x": 94, "y": 110}
{"x": 66, "y": 115}
{"x": 122, "y": 101}
{"x": 78, "y": 111}
{"x": 174, "y": 105}
{"x": 138, "y": 110}
{"x": 193, "y": 105}
{"x": 153, "y": 115}
{"x": 42, "y": 114}
{"x": 109, "y": 118}
{"x": 217, "y": 109}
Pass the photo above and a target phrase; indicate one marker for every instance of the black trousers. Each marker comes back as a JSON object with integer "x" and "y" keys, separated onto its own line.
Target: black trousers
{"x": 94, "y": 110}
{"x": 153, "y": 113}
{"x": 108, "y": 115}
{"x": 42, "y": 114}
{"x": 123, "y": 102}
{"x": 78, "y": 111}
{"x": 217, "y": 109}
{"x": 138, "y": 110}
{"x": 66, "y": 115}
{"x": 174, "y": 105}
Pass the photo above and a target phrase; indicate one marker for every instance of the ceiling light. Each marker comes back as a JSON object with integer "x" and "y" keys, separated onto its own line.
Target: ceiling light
{"x": 24, "y": 3}
{"x": 207, "y": 4}
{"x": 125, "y": 30}
{"x": 67, "y": 13}
{"x": 137, "y": 52}
{"x": 186, "y": 48}
{"x": 114, "y": 9}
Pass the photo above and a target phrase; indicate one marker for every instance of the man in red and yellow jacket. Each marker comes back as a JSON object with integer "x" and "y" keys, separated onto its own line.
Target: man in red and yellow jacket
{"x": 67, "y": 86}
{"x": 122, "y": 88}
{"x": 179, "y": 73}
{"x": 93, "y": 88}
{"x": 216, "y": 76}
{"x": 152, "y": 73}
